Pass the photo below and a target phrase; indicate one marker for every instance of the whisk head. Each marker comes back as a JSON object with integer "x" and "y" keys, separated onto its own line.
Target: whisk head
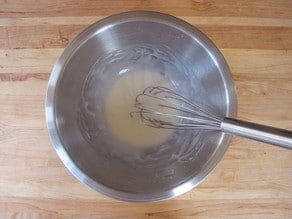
{"x": 161, "y": 107}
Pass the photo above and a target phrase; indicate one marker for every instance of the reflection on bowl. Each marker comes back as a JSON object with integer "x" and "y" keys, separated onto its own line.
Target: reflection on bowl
{"x": 114, "y": 59}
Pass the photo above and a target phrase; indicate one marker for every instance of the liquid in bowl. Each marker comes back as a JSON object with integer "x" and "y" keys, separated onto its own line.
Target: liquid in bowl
{"x": 120, "y": 101}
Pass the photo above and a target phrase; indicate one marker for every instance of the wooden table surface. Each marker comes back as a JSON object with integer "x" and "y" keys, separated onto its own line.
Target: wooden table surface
{"x": 254, "y": 180}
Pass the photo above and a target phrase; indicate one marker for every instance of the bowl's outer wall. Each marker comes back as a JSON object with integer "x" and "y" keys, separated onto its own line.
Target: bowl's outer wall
{"x": 107, "y": 175}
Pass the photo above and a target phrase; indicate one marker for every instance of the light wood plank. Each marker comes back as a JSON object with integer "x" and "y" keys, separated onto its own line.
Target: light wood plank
{"x": 195, "y": 20}
{"x": 248, "y": 37}
{"x": 259, "y": 8}
{"x": 248, "y": 64}
{"x": 27, "y": 61}
{"x": 171, "y": 209}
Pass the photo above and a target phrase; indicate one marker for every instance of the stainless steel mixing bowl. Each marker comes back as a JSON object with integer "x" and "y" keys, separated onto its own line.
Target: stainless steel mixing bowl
{"x": 138, "y": 175}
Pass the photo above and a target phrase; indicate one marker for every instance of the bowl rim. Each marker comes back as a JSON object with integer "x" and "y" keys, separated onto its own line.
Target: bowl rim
{"x": 94, "y": 29}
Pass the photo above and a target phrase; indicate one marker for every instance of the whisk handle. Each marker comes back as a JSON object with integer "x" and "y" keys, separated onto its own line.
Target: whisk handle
{"x": 267, "y": 134}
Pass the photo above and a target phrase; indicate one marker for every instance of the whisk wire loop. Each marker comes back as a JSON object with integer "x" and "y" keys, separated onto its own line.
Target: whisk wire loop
{"x": 161, "y": 107}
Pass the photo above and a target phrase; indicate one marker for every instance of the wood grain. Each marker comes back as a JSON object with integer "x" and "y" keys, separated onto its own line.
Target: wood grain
{"x": 254, "y": 180}
{"x": 43, "y": 8}
{"x": 50, "y": 36}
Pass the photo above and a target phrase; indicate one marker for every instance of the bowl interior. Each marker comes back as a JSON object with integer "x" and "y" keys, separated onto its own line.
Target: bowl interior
{"x": 196, "y": 69}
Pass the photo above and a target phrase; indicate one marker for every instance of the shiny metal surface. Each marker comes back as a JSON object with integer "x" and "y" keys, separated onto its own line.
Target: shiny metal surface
{"x": 161, "y": 107}
{"x": 267, "y": 134}
{"x": 169, "y": 170}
